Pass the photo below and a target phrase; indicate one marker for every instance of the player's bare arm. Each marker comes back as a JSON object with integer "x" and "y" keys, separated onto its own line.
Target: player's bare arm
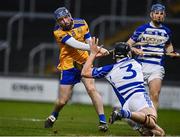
{"x": 102, "y": 51}
{"x": 136, "y": 51}
{"x": 170, "y": 51}
{"x": 87, "y": 68}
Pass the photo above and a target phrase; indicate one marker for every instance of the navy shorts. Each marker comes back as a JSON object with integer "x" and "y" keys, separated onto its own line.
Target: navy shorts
{"x": 70, "y": 76}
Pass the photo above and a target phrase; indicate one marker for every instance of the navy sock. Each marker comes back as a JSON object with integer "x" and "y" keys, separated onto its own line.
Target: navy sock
{"x": 102, "y": 118}
{"x": 125, "y": 113}
{"x": 55, "y": 114}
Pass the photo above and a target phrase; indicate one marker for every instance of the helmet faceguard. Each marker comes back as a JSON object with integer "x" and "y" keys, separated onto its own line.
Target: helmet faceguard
{"x": 121, "y": 50}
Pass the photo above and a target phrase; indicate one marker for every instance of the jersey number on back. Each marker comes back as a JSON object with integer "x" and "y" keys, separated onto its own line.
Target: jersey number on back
{"x": 129, "y": 70}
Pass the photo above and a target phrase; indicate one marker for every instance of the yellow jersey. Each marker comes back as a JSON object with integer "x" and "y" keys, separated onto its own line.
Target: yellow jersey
{"x": 69, "y": 55}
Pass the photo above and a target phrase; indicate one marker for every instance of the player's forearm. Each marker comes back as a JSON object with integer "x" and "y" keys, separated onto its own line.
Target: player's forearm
{"x": 134, "y": 50}
{"x": 170, "y": 51}
{"x": 77, "y": 44}
{"x": 87, "y": 68}
{"x": 169, "y": 48}
{"x": 130, "y": 42}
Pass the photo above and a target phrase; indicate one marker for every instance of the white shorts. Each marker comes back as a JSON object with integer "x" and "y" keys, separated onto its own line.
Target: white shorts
{"x": 151, "y": 71}
{"x": 138, "y": 101}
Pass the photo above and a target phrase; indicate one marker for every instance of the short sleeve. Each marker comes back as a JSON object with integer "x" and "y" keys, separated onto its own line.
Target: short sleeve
{"x": 101, "y": 71}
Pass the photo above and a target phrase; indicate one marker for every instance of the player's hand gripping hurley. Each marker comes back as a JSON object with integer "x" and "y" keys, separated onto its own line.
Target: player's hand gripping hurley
{"x": 151, "y": 53}
{"x": 173, "y": 54}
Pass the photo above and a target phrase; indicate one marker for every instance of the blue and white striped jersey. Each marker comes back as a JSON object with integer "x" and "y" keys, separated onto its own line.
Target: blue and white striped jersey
{"x": 156, "y": 38}
{"x": 125, "y": 76}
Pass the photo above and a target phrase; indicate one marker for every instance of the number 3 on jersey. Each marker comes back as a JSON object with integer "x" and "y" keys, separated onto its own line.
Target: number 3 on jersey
{"x": 129, "y": 70}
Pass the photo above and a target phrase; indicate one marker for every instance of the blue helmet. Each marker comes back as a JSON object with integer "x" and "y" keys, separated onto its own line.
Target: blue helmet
{"x": 157, "y": 7}
{"x": 61, "y": 12}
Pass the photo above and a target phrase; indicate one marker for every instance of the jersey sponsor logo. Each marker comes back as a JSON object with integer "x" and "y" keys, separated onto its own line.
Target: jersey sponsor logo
{"x": 154, "y": 36}
{"x": 153, "y": 39}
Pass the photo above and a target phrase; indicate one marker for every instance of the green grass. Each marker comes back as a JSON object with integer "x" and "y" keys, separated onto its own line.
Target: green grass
{"x": 27, "y": 119}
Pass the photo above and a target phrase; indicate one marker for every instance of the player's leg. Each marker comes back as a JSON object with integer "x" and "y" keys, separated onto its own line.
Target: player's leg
{"x": 65, "y": 92}
{"x": 96, "y": 100}
{"x": 154, "y": 81}
{"x": 148, "y": 120}
{"x": 138, "y": 108}
{"x": 144, "y": 121}
{"x": 154, "y": 91}
{"x": 156, "y": 131}
{"x": 67, "y": 80}
{"x": 144, "y": 111}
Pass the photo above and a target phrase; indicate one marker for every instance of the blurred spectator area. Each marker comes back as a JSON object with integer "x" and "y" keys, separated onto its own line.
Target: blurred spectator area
{"x": 27, "y": 46}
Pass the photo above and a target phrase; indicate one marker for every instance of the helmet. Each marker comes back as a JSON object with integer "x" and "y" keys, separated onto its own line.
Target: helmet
{"x": 121, "y": 49}
{"x": 61, "y": 12}
{"x": 157, "y": 7}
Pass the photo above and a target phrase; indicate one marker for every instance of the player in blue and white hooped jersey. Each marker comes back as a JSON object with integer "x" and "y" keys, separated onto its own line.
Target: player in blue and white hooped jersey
{"x": 158, "y": 39}
{"x": 126, "y": 78}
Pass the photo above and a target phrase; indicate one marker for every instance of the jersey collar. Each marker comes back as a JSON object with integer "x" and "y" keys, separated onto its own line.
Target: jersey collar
{"x": 152, "y": 25}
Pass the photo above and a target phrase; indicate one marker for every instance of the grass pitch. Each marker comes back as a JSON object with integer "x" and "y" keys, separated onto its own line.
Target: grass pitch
{"x": 27, "y": 119}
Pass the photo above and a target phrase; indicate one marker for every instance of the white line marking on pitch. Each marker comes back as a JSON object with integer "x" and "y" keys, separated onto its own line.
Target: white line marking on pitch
{"x": 22, "y": 119}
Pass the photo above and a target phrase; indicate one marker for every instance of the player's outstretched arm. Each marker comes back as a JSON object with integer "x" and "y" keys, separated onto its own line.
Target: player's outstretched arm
{"x": 94, "y": 50}
{"x": 84, "y": 46}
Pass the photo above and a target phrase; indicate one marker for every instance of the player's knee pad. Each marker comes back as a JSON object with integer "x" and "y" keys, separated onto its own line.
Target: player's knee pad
{"x": 150, "y": 121}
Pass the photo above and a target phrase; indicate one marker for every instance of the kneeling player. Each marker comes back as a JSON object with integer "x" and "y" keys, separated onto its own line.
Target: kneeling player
{"x": 126, "y": 78}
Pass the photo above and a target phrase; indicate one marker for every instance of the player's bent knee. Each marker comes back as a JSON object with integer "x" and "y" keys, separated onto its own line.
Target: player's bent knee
{"x": 150, "y": 121}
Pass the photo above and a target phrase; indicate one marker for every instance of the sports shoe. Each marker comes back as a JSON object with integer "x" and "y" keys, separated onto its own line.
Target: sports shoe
{"x": 115, "y": 115}
{"x": 145, "y": 131}
{"x": 49, "y": 122}
{"x": 103, "y": 127}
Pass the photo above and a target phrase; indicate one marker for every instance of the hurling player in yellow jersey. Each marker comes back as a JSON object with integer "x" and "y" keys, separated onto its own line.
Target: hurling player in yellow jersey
{"x": 72, "y": 36}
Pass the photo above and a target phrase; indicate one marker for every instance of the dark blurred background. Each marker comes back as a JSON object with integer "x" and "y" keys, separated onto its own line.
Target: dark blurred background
{"x": 27, "y": 46}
